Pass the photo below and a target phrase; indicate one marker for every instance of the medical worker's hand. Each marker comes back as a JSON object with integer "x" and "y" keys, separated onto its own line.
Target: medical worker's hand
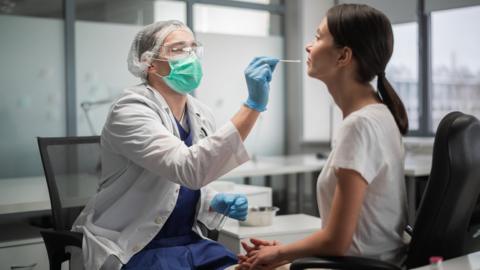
{"x": 232, "y": 205}
{"x": 258, "y": 75}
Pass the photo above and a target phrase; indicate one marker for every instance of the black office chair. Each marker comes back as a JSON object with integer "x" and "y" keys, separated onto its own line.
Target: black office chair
{"x": 445, "y": 224}
{"x": 72, "y": 170}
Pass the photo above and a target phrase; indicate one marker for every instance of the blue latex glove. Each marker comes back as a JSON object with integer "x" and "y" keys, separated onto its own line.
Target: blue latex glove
{"x": 258, "y": 76}
{"x": 231, "y": 205}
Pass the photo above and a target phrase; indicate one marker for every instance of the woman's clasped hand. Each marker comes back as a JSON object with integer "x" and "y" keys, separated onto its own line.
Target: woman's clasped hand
{"x": 260, "y": 254}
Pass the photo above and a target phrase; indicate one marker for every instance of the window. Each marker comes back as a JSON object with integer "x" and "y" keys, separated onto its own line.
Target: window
{"x": 402, "y": 70}
{"x": 168, "y": 10}
{"x": 257, "y": 1}
{"x": 130, "y": 11}
{"x": 230, "y": 20}
{"x": 455, "y": 62}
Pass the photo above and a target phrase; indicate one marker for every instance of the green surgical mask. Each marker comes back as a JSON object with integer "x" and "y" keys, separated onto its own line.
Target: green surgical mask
{"x": 185, "y": 74}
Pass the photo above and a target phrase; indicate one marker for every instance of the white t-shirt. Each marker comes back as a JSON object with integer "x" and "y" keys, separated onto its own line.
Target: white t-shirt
{"x": 369, "y": 142}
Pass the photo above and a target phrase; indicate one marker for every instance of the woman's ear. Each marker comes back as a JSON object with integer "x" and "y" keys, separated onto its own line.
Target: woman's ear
{"x": 345, "y": 56}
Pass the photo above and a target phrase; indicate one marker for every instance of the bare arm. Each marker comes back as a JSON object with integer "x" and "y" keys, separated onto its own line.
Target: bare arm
{"x": 336, "y": 237}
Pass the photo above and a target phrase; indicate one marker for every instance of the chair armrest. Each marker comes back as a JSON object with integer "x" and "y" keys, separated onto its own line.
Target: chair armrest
{"x": 342, "y": 262}
{"x": 56, "y": 241}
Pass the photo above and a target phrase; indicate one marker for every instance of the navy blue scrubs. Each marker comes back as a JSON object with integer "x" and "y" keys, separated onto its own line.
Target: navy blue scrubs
{"x": 176, "y": 246}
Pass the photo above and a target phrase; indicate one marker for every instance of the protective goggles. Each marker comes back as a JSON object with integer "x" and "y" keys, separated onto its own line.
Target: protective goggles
{"x": 179, "y": 50}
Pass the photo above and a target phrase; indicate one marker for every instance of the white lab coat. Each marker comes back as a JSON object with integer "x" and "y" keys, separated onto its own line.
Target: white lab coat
{"x": 143, "y": 165}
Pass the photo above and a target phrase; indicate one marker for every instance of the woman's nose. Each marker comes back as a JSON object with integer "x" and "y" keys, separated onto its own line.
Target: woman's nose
{"x": 307, "y": 48}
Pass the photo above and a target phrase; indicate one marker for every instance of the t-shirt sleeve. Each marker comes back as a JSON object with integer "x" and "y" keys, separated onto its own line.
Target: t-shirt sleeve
{"x": 357, "y": 148}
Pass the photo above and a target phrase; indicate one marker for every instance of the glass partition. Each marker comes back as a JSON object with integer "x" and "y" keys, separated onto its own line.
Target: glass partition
{"x": 32, "y": 82}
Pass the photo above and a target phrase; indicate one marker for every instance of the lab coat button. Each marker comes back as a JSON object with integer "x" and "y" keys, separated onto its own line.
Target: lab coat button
{"x": 159, "y": 220}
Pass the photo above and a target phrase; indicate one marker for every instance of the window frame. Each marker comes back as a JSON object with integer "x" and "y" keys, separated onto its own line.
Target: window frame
{"x": 425, "y": 78}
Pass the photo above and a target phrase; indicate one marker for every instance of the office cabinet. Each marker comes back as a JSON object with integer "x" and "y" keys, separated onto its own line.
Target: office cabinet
{"x": 28, "y": 254}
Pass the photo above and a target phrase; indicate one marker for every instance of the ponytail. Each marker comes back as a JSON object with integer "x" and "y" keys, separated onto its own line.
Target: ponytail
{"x": 390, "y": 98}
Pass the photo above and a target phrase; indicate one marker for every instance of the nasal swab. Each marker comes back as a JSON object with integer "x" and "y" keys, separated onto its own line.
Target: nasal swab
{"x": 289, "y": 61}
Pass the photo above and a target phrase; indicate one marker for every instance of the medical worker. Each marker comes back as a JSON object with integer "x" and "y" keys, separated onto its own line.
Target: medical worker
{"x": 159, "y": 149}
{"x": 361, "y": 190}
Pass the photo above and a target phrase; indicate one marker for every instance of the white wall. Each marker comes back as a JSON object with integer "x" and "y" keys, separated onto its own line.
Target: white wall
{"x": 224, "y": 89}
{"x": 101, "y": 51}
{"x": 218, "y": 19}
{"x": 435, "y": 5}
{"x": 397, "y": 11}
{"x": 317, "y": 102}
{"x": 308, "y": 104}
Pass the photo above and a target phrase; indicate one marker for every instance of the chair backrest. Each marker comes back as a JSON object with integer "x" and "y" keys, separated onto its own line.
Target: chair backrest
{"x": 72, "y": 170}
{"x": 444, "y": 215}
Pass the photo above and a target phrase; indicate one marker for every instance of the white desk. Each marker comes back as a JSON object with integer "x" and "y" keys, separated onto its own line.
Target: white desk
{"x": 257, "y": 196}
{"x": 418, "y": 165}
{"x": 30, "y": 194}
{"x": 267, "y": 167}
{"x": 467, "y": 262}
{"x": 26, "y": 194}
{"x": 415, "y": 165}
{"x": 277, "y": 165}
{"x": 286, "y": 229}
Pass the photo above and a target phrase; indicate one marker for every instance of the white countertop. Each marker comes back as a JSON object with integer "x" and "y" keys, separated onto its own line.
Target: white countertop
{"x": 24, "y": 194}
{"x": 415, "y": 165}
{"x": 31, "y": 193}
{"x": 298, "y": 223}
{"x": 418, "y": 165}
{"x": 230, "y": 187}
{"x": 277, "y": 165}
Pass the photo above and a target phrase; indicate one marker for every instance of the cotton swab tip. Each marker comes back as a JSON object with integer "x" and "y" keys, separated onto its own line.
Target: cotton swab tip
{"x": 289, "y": 61}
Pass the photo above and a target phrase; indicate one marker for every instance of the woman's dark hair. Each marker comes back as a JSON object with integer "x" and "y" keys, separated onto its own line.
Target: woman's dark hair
{"x": 368, "y": 33}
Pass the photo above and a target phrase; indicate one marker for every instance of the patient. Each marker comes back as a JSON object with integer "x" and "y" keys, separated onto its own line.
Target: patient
{"x": 361, "y": 190}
